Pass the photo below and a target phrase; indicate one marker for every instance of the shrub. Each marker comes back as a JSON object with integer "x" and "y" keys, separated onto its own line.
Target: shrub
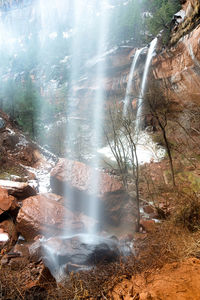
{"x": 188, "y": 213}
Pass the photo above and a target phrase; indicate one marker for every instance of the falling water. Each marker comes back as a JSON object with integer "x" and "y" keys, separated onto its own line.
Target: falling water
{"x": 130, "y": 79}
{"x": 144, "y": 82}
{"x": 98, "y": 115}
{"x": 71, "y": 137}
{"x": 43, "y": 28}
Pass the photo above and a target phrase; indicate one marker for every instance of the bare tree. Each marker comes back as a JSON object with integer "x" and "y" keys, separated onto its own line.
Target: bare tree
{"x": 122, "y": 140}
{"x": 159, "y": 107}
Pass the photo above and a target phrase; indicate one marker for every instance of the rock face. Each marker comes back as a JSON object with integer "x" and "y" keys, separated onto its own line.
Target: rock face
{"x": 41, "y": 214}
{"x": 78, "y": 253}
{"x": 179, "y": 66}
{"x": 77, "y": 180}
{"x": 6, "y": 201}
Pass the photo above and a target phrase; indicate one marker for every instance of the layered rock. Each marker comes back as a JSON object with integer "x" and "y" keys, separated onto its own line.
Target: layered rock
{"x": 118, "y": 63}
{"x": 41, "y": 214}
{"x": 179, "y": 65}
{"x": 180, "y": 68}
{"x": 78, "y": 181}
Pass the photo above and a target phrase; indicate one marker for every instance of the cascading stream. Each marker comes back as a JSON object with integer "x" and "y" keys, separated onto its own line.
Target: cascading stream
{"x": 130, "y": 80}
{"x": 144, "y": 83}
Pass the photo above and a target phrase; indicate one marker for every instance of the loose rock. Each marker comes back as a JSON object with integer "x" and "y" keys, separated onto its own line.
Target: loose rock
{"x": 42, "y": 215}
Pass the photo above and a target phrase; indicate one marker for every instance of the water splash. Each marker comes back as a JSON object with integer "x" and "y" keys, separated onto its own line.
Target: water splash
{"x": 144, "y": 83}
{"x": 130, "y": 80}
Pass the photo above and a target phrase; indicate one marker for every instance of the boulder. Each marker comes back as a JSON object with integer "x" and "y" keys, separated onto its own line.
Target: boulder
{"x": 20, "y": 190}
{"x": 35, "y": 251}
{"x": 78, "y": 180}
{"x": 6, "y": 201}
{"x": 42, "y": 215}
{"x": 62, "y": 255}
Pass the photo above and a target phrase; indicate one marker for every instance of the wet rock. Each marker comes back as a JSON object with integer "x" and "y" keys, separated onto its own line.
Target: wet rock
{"x": 20, "y": 190}
{"x": 6, "y": 201}
{"x": 40, "y": 214}
{"x": 77, "y": 180}
{"x": 77, "y": 253}
{"x": 180, "y": 65}
{"x": 35, "y": 251}
{"x": 81, "y": 177}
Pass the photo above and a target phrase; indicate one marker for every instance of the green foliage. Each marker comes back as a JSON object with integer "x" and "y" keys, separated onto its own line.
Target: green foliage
{"x": 162, "y": 12}
{"x": 21, "y": 101}
{"x": 127, "y": 21}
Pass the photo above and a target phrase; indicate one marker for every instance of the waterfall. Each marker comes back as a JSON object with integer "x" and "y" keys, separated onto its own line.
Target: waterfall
{"x": 130, "y": 79}
{"x": 144, "y": 83}
{"x": 98, "y": 114}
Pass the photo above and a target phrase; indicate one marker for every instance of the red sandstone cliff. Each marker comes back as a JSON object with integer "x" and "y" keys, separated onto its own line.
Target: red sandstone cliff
{"x": 179, "y": 65}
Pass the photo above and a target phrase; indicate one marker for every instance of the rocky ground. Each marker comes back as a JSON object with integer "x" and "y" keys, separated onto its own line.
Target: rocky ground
{"x": 29, "y": 216}
{"x": 163, "y": 260}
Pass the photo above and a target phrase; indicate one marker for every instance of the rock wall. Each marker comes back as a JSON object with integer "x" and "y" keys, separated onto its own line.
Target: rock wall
{"x": 179, "y": 65}
{"x": 116, "y": 75}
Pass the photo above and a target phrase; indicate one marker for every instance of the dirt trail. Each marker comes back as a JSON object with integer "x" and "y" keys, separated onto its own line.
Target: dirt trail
{"x": 175, "y": 281}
